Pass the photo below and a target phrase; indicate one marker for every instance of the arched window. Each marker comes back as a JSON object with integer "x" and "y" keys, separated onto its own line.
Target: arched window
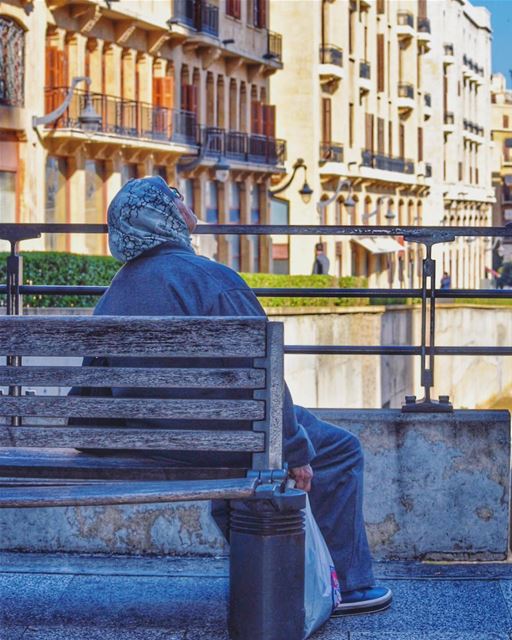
{"x": 12, "y": 63}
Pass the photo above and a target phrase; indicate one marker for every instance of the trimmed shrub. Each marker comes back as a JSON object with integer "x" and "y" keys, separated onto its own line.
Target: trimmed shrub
{"x": 58, "y": 268}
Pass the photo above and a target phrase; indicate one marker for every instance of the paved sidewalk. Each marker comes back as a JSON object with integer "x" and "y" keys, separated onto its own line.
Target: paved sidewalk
{"x": 48, "y": 597}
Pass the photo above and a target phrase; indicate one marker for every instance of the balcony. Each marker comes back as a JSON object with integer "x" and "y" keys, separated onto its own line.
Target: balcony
{"x": 331, "y": 159}
{"x": 449, "y": 122}
{"x": 473, "y": 131}
{"x": 242, "y": 147}
{"x": 427, "y": 105}
{"x": 405, "y": 25}
{"x": 406, "y": 100}
{"x": 274, "y": 46}
{"x": 424, "y": 34}
{"x": 126, "y": 118}
{"x": 198, "y": 15}
{"x": 365, "y": 83}
{"x": 331, "y": 63}
{"x": 386, "y": 163}
{"x": 449, "y": 54}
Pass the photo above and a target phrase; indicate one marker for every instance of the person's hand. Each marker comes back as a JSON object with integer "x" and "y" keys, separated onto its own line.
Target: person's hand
{"x": 302, "y": 476}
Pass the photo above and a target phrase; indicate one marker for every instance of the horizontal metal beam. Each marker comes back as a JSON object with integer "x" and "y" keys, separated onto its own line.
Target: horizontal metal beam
{"x": 393, "y": 350}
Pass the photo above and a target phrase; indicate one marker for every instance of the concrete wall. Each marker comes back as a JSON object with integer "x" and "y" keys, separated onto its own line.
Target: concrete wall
{"x": 437, "y": 487}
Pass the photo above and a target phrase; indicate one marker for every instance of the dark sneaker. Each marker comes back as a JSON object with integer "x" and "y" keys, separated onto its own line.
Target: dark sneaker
{"x": 364, "y": 601}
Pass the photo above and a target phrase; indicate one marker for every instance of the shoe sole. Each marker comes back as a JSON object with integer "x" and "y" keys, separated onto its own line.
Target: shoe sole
{"x": 362, "y": 609}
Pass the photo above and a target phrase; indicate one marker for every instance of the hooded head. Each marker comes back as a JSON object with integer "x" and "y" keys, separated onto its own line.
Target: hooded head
{"x": 142, "y": 215}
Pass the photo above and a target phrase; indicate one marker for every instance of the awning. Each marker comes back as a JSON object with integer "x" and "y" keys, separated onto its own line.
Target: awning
{"x": 379, "y": 245}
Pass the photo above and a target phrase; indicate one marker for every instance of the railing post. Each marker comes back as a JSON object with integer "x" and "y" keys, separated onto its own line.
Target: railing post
{"x": 14, "y": 308}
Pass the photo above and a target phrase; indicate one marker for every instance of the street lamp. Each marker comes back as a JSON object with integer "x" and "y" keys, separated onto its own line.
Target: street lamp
{"x": 88, "y": 119}
{"x": 305, "y": 191}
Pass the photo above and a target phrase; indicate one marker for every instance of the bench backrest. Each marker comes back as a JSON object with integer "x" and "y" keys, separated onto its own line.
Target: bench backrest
{"x": 43, "y": 419}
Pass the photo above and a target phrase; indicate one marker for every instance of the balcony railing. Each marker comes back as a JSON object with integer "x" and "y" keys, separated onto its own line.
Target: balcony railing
{"x": 331, "y": 152}
{"x": 405, "y": 19}
{"x": 428, "y": 349}
{"x": 428, "y": 170}
{"x": 198, "y": 15}
{"x": 472, "y": 127}
{"x": 274, "y": 46}
{"x": 428, "y": 99}
{"x": 405, "y": 90}
{"x": 423, "y": 25}
{"x": 449, "y": 117}
{"x": 122, "y": 117}
{"x": 243, "y": 147}
{"x": 331, "y": 54}
{"x": 448, "y": 49}
{"x": 386, "y": 163}
{"x": 364, "y": 70}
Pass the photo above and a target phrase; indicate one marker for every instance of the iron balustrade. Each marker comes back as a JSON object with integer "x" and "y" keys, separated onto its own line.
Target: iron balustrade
{"x": 405, "y": 19}
{"x": 423, "y": 25}
{"x": 122, "y": 117}
{"x": 331, "y": 54}
{"x": 274, "y": 46}
{"x": 386, "y": 163}
{"x": 427, "y": 350}
{"x": 331, "y": 152}
{"x": 364, "y": 69}
{"x": 12, "y": 63}
{"x": 405, "y": 90}
{"x": 448, "y": 49}
{"x": 449, "y": 117}
{"x": 243, "y": 147}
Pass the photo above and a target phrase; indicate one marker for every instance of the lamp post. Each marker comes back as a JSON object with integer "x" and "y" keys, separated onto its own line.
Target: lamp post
{"x": 305, "y": 191}
{"x": 89, "y": 119}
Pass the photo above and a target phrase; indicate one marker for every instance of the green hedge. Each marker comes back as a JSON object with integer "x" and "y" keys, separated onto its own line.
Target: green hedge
{"x": 45, "y": 267}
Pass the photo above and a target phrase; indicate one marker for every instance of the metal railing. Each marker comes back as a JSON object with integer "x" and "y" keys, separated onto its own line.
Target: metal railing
{"x": 423, "y": 25}
{"x": 243, "y": 147}
{"x": 123, "y": 117}
{"x": 274, "y": 46}
{"x": 331, "y": 152}
{"x": 386, "y": 163}
{"x": 426, "y": 237}
{"x": 331, "y": 54}
{"x": 449, "y": 117}
{"x": 405, "y": 90}
{"x": 448, "y": 49}
{"x": 405, "y": 19}
{"x": 198, "y": 15}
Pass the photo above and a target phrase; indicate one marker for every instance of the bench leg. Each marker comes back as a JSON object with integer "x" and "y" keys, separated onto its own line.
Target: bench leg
{"x": 267, "y": 568}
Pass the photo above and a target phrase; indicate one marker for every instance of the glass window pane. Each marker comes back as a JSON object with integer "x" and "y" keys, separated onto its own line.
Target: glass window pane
{"x": 212, "y": 202}
{"x": 159, "y": 170}
{"x": 55, "y": 201}
{"x": 128, "y": 172}
{"x": 279, "y": 211}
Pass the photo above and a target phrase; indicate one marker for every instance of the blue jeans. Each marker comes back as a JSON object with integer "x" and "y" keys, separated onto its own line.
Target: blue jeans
{"x": 336, "y": 499}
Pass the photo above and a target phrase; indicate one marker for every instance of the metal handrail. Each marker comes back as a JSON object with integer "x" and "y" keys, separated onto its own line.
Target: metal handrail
{"x": 427, "y": 294}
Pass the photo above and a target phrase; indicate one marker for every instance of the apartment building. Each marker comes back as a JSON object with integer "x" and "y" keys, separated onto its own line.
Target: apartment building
{"x": 386, "y": 103}
{"x": 182, "y": 89}
{"x": 501, "y": 110}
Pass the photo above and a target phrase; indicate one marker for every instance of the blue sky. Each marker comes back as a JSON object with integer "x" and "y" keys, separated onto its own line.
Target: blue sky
{"x": 501, "y": 19}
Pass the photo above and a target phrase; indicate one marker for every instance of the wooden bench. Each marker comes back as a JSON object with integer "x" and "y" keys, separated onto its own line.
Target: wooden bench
{"x": 40, "y": 465}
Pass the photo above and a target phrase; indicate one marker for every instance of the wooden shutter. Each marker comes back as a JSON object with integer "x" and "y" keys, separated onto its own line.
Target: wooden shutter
{"x": 422, "y": 8}
{"x": 445, "y": 92}
{"x": 380, "y": 63}
{"x": 505, "y": 122}
{"x": 326, "y": 120}
{"x": 256, "y": 117}
{"x": 380, "y": 136}
{"x": 420, "y": 144}
{"x": 168, "y": 92}
{"x": 233, "y": 8}
{"x": 262, "y": 13}
{"x": 157, "y": 92}
{"x": 188, "y": 97}
{"x": 269, "y": 120}
{"x": 351, "y": 124}
{"x": 390, "y": 138}
{"x": 381, "y": 6}
{"x": 55, "y": 67}
{"x": 401, "y": 141}
{"x": 369, "y": 132}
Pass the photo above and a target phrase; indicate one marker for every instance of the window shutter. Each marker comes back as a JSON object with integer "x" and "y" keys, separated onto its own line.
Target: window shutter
{"x": 269, "y": 120}
{"x": 369, "y": 132}
{"x": 380, "y": 135}
{"x": 256, "y": 117}
{"x": 401, "y": 142}
{"x": 380, "y": 63}
{"x": 422, "y": 8}
{"x": 237, "y": 9}
{"x": 390, "y": 138}
{"x": 193, "y": 98}
{"x": 505, "y": 122}
{"x": 381, "y": 6}
{"x": 167, "y": 92}
{"x": 263, "y": 13}
{"x": 420, "y": 144}
{"x": 157, "y": 92}
{"x": 184, "y": 97}
{"x": 326, "y": 120}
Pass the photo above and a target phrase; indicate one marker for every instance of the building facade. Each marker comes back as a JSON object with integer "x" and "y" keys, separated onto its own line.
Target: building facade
{"x": 501, "y": 108}
{"x": 182, "y": 89}
{"x": 365, "y": 80}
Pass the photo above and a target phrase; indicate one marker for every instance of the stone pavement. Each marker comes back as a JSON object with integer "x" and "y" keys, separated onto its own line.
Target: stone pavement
{"x": 62, "y": 597}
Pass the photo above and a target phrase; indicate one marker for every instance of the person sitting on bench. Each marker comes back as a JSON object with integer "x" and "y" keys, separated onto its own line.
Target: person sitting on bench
{"x": 149, "y": 231}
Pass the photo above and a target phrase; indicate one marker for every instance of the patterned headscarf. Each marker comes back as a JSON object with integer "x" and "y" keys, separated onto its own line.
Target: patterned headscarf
{"x": 142, "y": 215}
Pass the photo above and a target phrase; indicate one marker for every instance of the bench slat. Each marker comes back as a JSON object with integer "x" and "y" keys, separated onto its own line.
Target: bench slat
{"x": 109, "y": 335}
{"x": 121, "y": 438}
{"x": 71, "y": 464}
{"x": 133, "y": 377}
{"x": 64, "y": 407}
{"x": 126, "y": 493}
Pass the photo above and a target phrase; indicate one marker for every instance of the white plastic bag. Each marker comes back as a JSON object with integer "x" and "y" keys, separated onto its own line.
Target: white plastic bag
{"x": 322, "y": 589}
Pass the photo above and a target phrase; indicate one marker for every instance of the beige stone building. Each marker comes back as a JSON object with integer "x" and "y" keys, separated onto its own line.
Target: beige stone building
{"x": 387, "y": 103}
{"x": 501, "y": 109}
{"x": 182, "y": 88}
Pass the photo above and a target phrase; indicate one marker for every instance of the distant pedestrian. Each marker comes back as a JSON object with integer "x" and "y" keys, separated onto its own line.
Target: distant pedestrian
{"x": 446, "y": 281}
{"x": 321, "y": 264}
